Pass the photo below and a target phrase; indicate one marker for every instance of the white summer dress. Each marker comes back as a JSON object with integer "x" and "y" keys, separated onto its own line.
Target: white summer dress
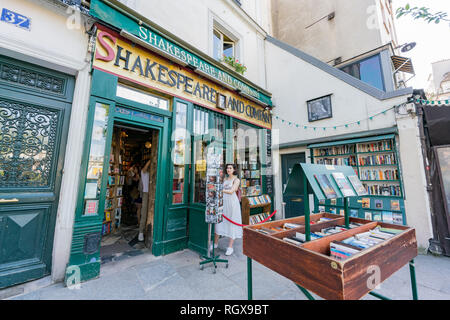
{"x": 232, "y": 209}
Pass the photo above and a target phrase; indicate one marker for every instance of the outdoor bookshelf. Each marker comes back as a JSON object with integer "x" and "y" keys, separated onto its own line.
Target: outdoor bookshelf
{"x": 310, "y": 264}
{"x": 375, "y": 161}
{"x": 248, "y": 204}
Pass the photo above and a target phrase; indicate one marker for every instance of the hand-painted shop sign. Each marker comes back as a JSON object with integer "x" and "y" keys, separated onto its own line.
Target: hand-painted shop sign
{"x": 105, "y": 13}
{"x": 16, "y": 19}
{"x": 126, "y": 60}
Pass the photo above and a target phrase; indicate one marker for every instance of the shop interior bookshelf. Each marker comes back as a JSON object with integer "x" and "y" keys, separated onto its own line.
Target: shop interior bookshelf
{"x": 377, "y": 165}
{"x": 310, "y": 265}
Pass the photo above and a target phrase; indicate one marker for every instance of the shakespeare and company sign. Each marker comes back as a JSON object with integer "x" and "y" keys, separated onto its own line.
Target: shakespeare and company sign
{"x": 128, "y": 61}
{"x": 104, "y": 12}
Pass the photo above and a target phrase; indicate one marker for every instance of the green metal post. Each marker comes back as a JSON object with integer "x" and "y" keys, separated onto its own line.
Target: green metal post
{"x": 412, "y": 272}
{"x": 305, "y": 292}
{"x": 346, "y": 212}
{"x": 306, "y": 206}
{"x": 379, "y": 296}
{"x": 249, "y": 279}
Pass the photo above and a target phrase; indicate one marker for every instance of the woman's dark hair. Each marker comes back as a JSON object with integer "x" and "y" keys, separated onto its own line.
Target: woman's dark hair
{"x": 234, "y": 168}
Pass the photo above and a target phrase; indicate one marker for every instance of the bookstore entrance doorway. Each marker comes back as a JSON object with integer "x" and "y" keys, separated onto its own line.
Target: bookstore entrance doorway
{"x": 130, "y": 192}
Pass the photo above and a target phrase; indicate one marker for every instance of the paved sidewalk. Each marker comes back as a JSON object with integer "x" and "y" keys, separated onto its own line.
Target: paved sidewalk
{"x": 178, "y": 277}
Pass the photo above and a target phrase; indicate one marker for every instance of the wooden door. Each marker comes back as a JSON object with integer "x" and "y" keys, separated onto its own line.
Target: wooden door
{"x": 34, "y": 114}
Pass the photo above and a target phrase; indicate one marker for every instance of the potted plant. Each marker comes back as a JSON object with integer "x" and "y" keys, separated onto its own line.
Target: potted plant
{"x": 234, "y": 63}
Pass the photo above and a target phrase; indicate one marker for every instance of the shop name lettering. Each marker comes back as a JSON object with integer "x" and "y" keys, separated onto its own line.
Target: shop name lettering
{"x": 162, "y": 44}
{"x": 158, "y": 72}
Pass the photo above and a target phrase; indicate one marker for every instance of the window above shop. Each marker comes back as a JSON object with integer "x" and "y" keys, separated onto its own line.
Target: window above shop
{"x": 367, "y": 70}
{"x": 222, "y": 45}
{"x": 141, "y": 96}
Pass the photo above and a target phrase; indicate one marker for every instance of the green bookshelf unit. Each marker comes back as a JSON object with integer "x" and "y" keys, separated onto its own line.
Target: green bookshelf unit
{"x": 375, "y": 161}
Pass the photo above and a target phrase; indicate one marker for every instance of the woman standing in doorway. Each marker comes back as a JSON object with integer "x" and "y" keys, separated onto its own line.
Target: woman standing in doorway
{"x": 231, "y": 208}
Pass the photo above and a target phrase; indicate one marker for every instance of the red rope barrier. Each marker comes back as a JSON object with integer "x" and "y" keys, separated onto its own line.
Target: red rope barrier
{"x": 244, "y": 225}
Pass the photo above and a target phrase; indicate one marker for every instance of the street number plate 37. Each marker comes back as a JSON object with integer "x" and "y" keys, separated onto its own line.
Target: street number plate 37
{"x": 16, "y": 19}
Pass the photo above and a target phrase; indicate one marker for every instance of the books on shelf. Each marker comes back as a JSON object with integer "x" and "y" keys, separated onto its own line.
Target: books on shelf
{"x": 385, "y": 159}
{"x": 263, "y": 199}
{"x": 344, "y": 161}
{"x": 258, "y": 218}
{"x": 335, "y": 150}
{"x": 326, "y": 186}
{"x": 289, "y": 225}
{"x": 383, "y": 190}
{"x": 375, "y": 146}
{"x": 378, "y": 174}
{"x": 343, "y": 184}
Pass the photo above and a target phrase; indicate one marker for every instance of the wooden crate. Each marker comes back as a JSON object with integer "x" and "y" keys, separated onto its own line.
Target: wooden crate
{"x": 311, "y": 266}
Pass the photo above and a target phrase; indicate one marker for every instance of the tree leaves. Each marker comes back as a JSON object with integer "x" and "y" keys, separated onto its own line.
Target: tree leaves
{"x": 422, "y": 13}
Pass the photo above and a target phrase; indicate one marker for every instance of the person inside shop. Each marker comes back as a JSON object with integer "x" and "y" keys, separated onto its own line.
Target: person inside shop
{"x": 145, "y": 177}
{"x": 231, "y": 209}
{"x": 133, "y": 182}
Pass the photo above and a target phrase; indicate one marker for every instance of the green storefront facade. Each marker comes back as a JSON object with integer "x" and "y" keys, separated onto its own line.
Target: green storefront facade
{"x": 124, "y": 62}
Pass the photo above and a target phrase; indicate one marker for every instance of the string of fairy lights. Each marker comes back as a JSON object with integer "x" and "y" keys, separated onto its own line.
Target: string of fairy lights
{"x": 334, "y": 127}
{"x": 358, "y": 122}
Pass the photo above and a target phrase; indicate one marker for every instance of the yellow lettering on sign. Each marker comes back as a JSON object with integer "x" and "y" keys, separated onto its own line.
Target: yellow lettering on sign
{"x": 136, "y": 64}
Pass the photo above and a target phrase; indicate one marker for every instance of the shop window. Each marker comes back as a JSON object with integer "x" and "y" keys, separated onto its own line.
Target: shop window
{"x": 141, "y": 96}
{"x": 96, "y": 160}
{"x": 246, "y": 142}
{"x": 209, "y": 128}
{"x": 201, "y": 130}
{"x": 367, "y": 70}
{"x": 178, "y": 154}
{"x": 223, "y": 45}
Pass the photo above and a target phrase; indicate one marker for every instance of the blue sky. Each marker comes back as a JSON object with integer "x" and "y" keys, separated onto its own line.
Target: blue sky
{"x": 433, "y": 40}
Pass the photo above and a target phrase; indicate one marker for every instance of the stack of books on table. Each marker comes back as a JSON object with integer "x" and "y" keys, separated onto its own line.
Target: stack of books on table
{"x": 341, "y": 250}
{"x": 300, "y": 238}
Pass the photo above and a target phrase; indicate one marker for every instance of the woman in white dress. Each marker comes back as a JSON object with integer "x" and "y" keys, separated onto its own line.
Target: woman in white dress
{"x": 231, "y": 208}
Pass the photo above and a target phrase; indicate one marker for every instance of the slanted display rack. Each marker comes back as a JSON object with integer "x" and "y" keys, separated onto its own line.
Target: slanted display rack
{"x": 375, "y": 160}
{"x": 303, "y": 249}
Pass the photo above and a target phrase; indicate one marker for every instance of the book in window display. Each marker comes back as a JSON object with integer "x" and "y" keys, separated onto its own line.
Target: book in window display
{"x": 326, "y": 186}
{"x": 343, "y": 184}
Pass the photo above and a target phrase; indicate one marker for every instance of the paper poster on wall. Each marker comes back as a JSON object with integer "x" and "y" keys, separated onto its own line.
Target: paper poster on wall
{"x": 91, "y": 207}
{"x": 91, "y": 190}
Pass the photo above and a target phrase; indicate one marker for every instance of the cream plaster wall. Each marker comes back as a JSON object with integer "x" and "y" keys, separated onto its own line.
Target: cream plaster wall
{"x": 356, "y": 28}
{"x": 192, "y": 21}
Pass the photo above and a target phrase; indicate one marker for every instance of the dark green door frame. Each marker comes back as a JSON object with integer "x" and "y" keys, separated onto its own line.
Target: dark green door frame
{"x": 84, "y": 262}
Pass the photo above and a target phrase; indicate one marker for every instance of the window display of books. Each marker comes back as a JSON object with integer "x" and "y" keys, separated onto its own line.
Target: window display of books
{"x": 344, "y": 249}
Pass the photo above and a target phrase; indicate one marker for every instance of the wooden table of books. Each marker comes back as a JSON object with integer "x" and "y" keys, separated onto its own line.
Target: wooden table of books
{"x": 336, "y": 257}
